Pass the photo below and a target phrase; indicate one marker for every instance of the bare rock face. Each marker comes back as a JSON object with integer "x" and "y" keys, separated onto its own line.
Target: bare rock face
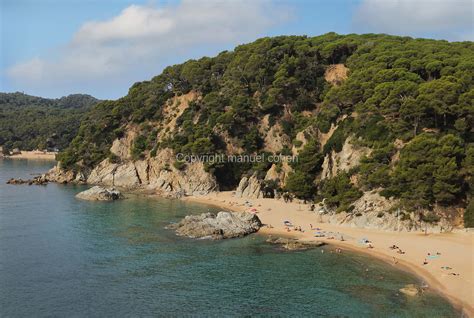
{"x": 192, "y": 180}
{"x": 372, "y": 211}
{"x": 121, "y": 146}
{"x": 103, "y": 173}
{"x": 347, "y": 158}
{"x": 249, "y": 188}
{"x": 59, "y": 175}
{"x": 275, "y": 139}
{"x": 100, "y": 194}
{"x": 294, "y": 244}
{"x": 221, "y": 226}
{"x": 155, "y": 174}
{"x": 336, "y": 74}
{"x": 126, "y": 175}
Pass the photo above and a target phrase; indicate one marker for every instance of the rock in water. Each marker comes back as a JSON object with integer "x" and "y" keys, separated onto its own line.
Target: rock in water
{"x": 410, "y": 290}
{"x": 40, "y": 180}
{"x": 100, "y": 194}
{"x": 221, "y": 226}
{"x": 294, "y": 244}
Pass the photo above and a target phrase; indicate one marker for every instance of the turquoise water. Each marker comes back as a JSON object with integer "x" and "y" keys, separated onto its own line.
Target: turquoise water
{"x": 61, "y": 257}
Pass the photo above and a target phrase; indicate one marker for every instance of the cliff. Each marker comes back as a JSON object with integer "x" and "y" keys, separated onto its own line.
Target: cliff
{"x": 351, "y": 114}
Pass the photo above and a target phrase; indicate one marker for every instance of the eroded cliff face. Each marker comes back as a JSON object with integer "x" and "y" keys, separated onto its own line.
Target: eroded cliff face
{"x": 152, "y": 174}
{"x": 155, "y": 174}
{"x": 349, "y": 157}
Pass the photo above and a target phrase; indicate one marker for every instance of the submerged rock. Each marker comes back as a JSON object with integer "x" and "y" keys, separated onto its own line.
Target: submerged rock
{"x": 100, "y": 194}
{"x": 410, "y": 290}
{"x": 294, "y": 244}
{"x": 217, "y": 226}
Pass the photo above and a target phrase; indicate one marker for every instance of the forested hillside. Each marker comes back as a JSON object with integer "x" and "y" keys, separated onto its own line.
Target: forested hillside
{"x": 30, "y": 122}
{"x": 406, "y": 103}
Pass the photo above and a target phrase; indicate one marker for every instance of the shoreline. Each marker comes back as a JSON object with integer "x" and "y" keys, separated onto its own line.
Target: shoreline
{"x": 33, "y": 155}
{"x": 457, "y": 289}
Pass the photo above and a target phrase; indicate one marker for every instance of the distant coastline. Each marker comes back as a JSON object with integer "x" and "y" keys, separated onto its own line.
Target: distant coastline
{"x": 34, "y": 155}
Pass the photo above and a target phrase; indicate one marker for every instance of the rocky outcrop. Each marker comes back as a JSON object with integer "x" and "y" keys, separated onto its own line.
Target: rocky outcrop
{"x": 336, "y": 74}
{"x": 249, "y": 187}
{"x": 40, "y": 180}
{"x": 411, "y": 290}
{"x": 344, "y": 160}
{"x": 278, "y": 173}
{"x": 275, "y": 139}
{"x": 294, "y": 244}
{"x": 156, "y": 174}
{"x": 121, "y": 146}
{"x": 372, "y": 211}
{"x": 100, "y": 194}
{"x": 59, "y": 175}
{"x": 217, "y": 226}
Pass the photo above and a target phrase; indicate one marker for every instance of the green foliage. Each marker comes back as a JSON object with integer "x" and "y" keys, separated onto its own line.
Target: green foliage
{"x": 398, "y": 88}
{"x": 469, "y": 214}
{"x": 6, "y": 150}
{"x": 309, "y": 160}
{"x": 428, "y": 171}
{"x": 114, "y": 158}
{"x": 374, "y": 170}
{"x": 300, "y": 184}
{"x": 339, "y": 192}
{"x": 29, "y": 122}
{"x": 138, "y": 147}
{"x": 338, "y": 138}
{"x": 180, "y": 165}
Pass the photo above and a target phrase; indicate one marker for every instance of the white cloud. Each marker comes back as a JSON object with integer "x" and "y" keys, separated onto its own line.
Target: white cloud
{"x": 442, "y": 18}
{"x": 138, "y": 41}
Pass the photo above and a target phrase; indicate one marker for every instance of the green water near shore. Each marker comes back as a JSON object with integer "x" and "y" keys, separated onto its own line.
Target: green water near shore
{"x": 64, "y": 257}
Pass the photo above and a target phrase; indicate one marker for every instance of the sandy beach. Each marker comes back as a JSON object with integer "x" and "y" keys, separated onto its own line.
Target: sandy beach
{"x": 452, "y": 250}
{"x": 36, "y": 155}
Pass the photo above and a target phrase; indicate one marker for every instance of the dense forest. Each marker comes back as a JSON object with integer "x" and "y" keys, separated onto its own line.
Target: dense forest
{"x": 409, "y": 100}
{"x": 30, "y": 122}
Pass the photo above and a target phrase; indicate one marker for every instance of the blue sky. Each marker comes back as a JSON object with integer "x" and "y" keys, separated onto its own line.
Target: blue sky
{"x": 53, "y": 48}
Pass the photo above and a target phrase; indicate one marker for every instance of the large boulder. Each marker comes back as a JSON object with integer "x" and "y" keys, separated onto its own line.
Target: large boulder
{"x": 249, "y": 187}
{"x": 218, "y": 226}
{"x": 100, "y": 194}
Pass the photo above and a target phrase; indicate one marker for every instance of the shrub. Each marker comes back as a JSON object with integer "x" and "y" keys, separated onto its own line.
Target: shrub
{"x": 180, "y": 165}
{"x": 297, "y": 143}
{"x": 339, "y": 192}
{"x": 469, "y": 214}
{"x": 138, "y": 147}
{"x": 300, "y": 184}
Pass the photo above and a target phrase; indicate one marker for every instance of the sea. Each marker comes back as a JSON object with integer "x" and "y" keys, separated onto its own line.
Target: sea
{"x": 63, "y": 257}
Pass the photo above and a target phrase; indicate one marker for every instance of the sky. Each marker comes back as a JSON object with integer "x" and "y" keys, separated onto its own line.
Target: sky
{"x": 53, "y": 48}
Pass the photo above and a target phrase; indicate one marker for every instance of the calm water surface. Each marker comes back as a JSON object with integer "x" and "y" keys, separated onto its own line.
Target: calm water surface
{"x": 61, "y": 257}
